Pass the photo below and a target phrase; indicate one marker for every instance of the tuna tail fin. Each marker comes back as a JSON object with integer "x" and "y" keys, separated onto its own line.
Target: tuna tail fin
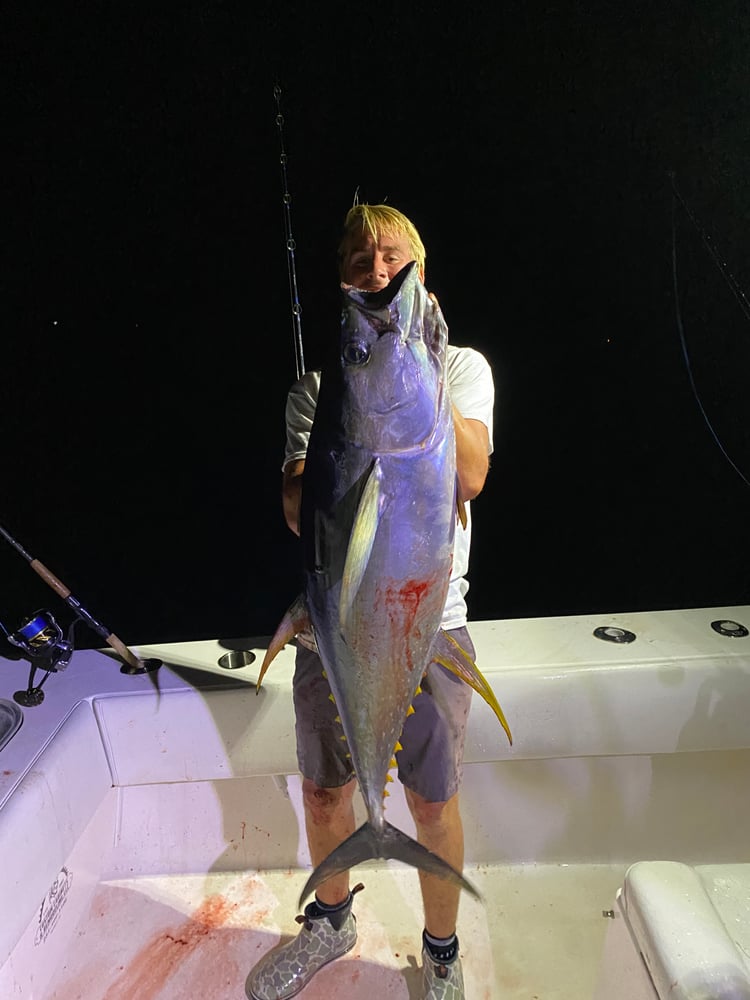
{"x": 366, "y": 843}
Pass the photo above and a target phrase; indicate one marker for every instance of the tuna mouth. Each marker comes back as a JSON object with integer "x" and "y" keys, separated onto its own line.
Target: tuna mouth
{"x": 381, "y": 296}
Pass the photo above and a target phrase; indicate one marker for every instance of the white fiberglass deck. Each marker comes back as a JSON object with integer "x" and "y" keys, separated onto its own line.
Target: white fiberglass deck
{"x": 169, "y": 938}
{"x": 151, "y": 840}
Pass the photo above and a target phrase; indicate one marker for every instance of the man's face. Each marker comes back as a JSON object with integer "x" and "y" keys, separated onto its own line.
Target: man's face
{"x": 370, "y": 265}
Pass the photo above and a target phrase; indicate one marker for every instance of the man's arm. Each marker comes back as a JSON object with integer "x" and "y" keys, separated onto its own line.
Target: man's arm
{"x": 299, "y": 415}
{"x": 472, "y": 458}
{"x": 291, "y": 492}
{"x": 472, "y": 450}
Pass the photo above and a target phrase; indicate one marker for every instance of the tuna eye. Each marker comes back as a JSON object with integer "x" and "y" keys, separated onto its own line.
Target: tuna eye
{"x": 355, "y": 353}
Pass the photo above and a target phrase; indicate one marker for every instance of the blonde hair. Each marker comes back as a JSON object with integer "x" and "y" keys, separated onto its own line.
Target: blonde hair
{"x": 376, "y": 220}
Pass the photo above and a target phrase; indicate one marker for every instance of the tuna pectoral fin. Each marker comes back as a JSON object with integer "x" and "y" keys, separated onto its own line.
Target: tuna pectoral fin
{"x": 449, "y": 654}
{"x": 365, "y": 844}
{"x": 295, "y": 620}
{"x": 361, "y": 539}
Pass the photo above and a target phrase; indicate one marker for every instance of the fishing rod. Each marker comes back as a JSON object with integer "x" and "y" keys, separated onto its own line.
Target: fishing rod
{"x": 40, "y": 631}
{"x": 736, "y": 291}
{"x": 290, "y": 242}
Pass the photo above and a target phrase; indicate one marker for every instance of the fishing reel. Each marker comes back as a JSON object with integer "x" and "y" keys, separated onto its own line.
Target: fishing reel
{"x": 41, "y": 638}
{"x": 41, "y": 641}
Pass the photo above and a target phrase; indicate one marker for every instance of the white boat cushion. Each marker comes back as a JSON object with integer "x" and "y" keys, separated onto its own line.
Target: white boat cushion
{"x": 692, "y": 926}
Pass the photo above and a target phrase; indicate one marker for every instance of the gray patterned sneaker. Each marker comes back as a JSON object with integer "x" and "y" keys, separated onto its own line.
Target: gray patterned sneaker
{"x": 441, "y": 982}
{"x": 284, "y": 972}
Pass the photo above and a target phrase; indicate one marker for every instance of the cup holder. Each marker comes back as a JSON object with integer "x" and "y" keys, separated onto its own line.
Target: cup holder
{"x": 236, "y": 658}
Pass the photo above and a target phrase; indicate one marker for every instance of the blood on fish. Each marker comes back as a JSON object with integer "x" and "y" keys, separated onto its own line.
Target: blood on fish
{"x": 402, "y": 602}
{"x": 406, "y": 597}
{"x": 413, "y": 590}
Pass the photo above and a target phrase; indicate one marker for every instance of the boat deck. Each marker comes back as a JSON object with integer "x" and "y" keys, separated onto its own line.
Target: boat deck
{"x": 152, "y": 830}
{"x": 538, "y": 934}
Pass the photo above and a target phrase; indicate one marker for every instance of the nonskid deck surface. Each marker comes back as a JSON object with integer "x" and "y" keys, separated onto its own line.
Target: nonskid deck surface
{"x": 537, "y": 935}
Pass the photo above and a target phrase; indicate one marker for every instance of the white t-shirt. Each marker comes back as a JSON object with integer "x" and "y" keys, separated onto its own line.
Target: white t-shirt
{"x": 472, "y": 392}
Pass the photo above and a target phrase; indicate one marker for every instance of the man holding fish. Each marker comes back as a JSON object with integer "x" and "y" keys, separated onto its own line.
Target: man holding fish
{"x": 399, "y": 445}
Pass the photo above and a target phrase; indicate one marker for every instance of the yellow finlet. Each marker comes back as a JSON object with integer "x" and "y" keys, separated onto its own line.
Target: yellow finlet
{"x": 409, "y": 711}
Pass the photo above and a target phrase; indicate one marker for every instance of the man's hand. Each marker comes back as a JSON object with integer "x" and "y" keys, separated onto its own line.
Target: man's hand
{"x": 291, "y": 493}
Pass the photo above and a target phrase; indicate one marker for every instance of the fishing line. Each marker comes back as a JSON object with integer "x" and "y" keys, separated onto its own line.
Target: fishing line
{"x": 739, "y": 295}
{"x": 291, "y": 246}
{"x": 707, "y": 242}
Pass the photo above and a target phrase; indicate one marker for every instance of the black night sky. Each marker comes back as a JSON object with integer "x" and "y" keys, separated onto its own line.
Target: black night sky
{"x": 148, "y": 337}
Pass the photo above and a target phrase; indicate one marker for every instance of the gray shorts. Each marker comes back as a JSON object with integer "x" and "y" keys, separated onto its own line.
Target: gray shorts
{"x": 431, "y": 762}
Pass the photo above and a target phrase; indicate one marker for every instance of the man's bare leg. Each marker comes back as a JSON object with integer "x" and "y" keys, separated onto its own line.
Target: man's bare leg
{"x": 440, "y": 830}
{"x": 329, "y": 820}
{"x": 325, "y": 935}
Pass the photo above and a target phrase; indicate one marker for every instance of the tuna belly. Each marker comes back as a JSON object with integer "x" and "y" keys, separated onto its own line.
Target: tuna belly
{"x": 389, "y": 638}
